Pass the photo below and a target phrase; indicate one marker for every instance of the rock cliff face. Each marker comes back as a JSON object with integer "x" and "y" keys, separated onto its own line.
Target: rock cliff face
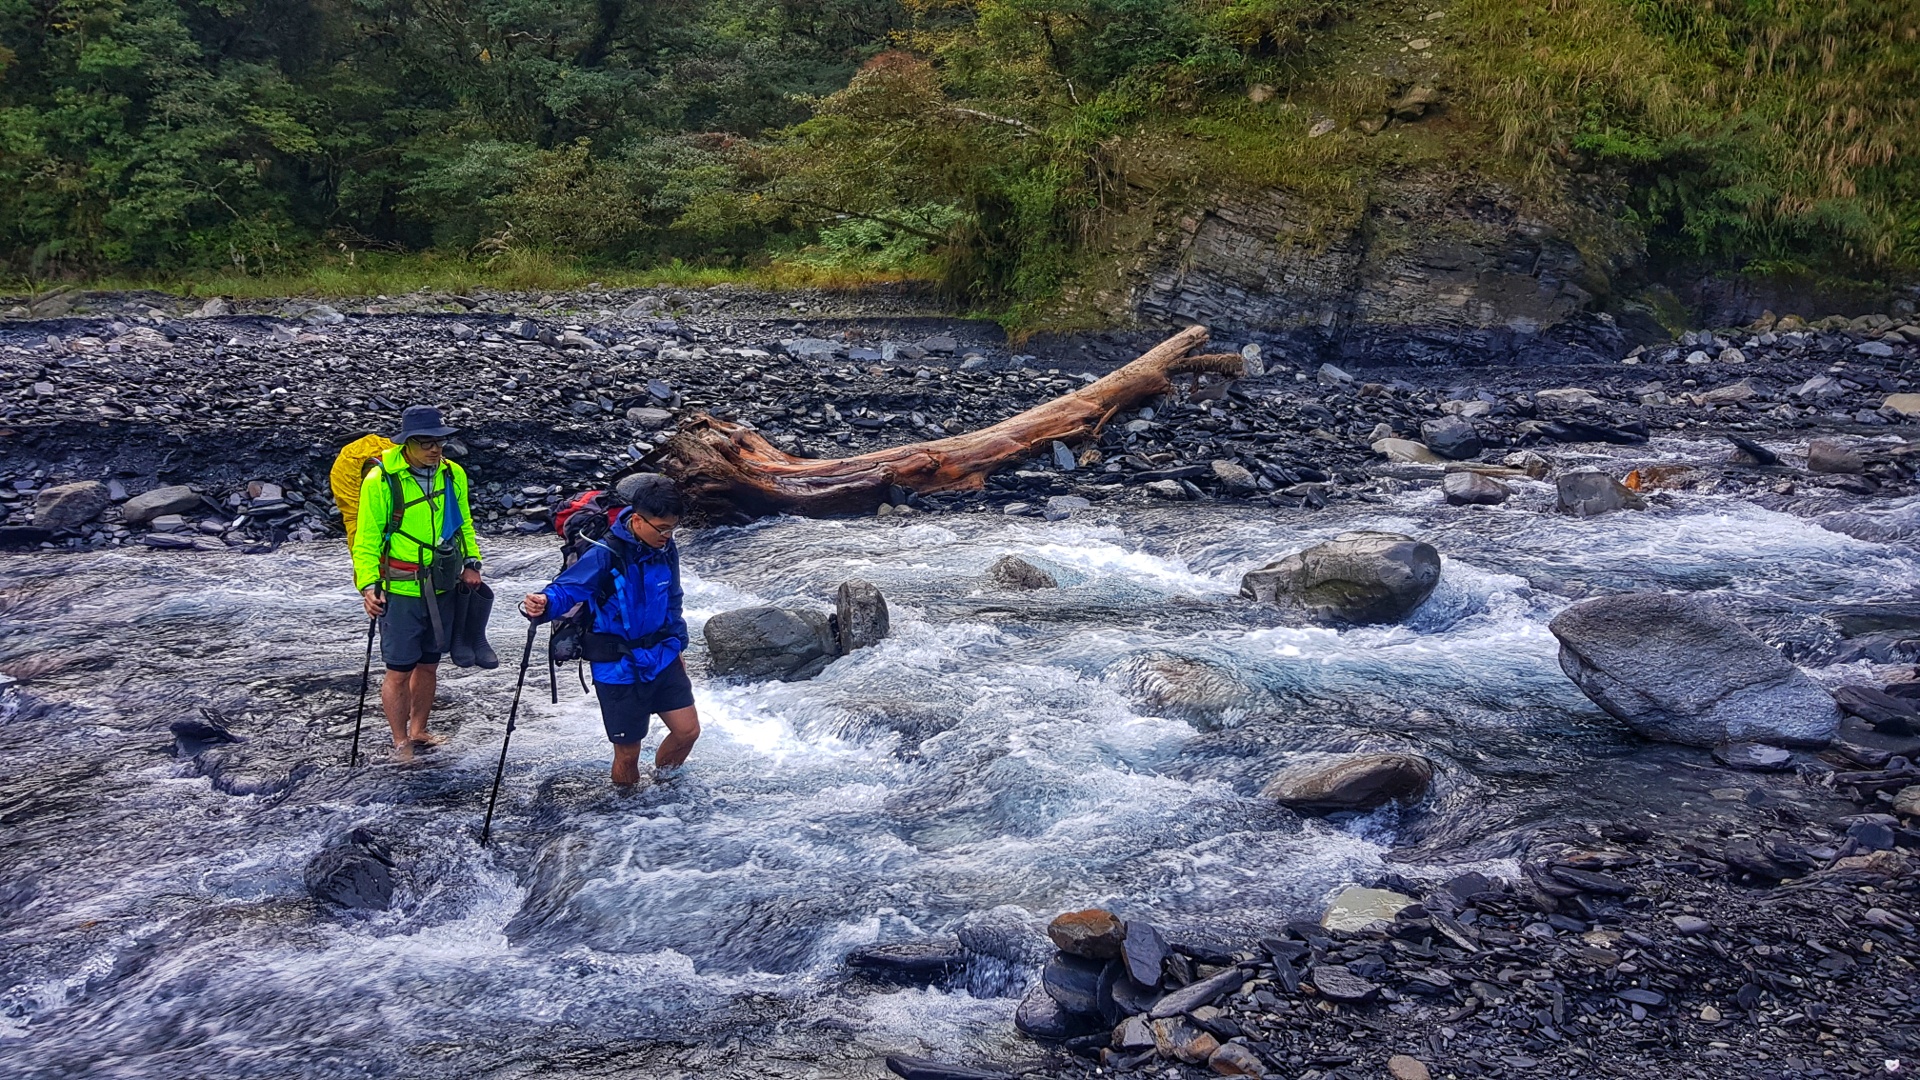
{"x": 1422, "y": 255}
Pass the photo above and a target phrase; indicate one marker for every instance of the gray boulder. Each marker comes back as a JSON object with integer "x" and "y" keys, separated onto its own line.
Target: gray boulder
{"x": 1675, "y": 668}
{"x": 860, "y": 616}
{"x": 173, "y": 499}
{"x": 1351, "y": 781}
{"x": 68, "y": 506}
{"x": 1451, "y": 437}
{"x": 1355, "y": 578}
{"x": 1466, "y": 488}
{"x": 1014, "y": 572}
{"x": 1834, "y": 456}
{"x": 760, "y": 643}
{"x": 648, "y": 418}
{"x": 1590, "y": 493}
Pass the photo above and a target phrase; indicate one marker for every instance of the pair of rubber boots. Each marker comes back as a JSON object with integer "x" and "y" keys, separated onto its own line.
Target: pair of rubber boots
{"x": 468, "y": 610}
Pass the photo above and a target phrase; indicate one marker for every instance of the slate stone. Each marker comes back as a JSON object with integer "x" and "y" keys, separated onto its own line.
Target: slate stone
{"x": 1145, "y": 951}
{"x": 1074, "y": 982}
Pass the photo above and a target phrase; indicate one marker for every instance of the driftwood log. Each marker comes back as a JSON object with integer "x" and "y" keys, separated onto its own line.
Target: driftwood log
{"x": 727, "y": 471}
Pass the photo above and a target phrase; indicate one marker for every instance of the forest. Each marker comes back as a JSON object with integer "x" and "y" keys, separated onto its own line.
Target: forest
{"x": 986, "y": 144}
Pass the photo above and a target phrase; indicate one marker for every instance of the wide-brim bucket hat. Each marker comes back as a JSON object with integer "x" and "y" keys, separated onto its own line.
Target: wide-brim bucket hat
{"x": 423, "y": 420}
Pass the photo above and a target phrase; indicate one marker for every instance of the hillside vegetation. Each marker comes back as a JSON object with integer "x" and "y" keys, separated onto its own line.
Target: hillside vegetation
{"x": 1000, "y": 146}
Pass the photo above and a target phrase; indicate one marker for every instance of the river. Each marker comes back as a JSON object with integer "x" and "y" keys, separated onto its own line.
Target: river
{"x": 1103, "y": 743}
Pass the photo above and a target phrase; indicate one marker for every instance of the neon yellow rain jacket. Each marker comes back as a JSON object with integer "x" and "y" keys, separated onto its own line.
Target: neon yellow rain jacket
{"x": 425, "y": 518}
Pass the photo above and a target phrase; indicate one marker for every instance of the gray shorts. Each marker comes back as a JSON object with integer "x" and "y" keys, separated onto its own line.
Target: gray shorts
{"x": 406, "y": 632}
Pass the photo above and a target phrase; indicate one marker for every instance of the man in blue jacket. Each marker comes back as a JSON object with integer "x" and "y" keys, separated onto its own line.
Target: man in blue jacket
{"x": 631, "y": 582}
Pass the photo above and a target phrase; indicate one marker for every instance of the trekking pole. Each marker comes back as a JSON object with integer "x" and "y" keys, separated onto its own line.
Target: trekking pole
{"x": 526, "y": 657}
{"x": 366, "y": 676}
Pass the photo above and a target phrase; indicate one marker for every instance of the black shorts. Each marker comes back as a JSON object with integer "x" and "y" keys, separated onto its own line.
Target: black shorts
{"x": 406, "y": 632}
{"x": 625, "y": 708}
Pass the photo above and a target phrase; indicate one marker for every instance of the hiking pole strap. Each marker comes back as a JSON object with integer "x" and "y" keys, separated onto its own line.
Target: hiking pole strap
{"x": 526, "y": 657}
{"x": 366, "y": 676}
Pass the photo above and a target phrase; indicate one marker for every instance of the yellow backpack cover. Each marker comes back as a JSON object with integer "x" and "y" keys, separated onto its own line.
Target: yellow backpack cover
{"x": 349, "y": 469}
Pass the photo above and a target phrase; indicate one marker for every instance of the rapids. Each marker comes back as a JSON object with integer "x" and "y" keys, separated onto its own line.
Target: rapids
{"x": 1099, "y": 744}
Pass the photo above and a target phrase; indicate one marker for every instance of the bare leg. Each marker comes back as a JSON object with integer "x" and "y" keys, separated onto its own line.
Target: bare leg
{"x": 626, "y": 764}
{"x": 426, "y": 679}
{"x": 683, "y": 730}
{"x": 396, "y": 700}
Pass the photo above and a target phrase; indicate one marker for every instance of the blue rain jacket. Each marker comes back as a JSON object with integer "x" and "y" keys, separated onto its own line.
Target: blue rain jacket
{"x": 646, "y": 598}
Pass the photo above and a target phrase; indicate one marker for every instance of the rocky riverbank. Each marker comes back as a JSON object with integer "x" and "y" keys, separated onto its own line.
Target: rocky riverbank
{"x": 239, "y": 414}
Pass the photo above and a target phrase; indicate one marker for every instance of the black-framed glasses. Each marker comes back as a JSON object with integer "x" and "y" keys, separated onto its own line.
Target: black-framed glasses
{"x": 426, "y": 443}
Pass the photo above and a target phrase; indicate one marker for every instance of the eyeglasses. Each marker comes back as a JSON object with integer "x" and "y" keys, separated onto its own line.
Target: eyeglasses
{"x": 662, "y": 531}
{"x": 425, "y": 443}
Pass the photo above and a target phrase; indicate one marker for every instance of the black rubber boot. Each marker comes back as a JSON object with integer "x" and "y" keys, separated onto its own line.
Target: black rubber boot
{"x": 459, "y": 607}
{"x": 473, "y": 629}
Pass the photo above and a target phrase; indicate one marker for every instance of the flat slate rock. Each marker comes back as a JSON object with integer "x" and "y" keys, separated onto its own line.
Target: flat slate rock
{"x": 1336, "y": 983}
{"x": 912, "y": 1068}
{"x": 1145, "y": 952}
{"x": 1204, "y": 992}
{"x": 1074, "y": 982}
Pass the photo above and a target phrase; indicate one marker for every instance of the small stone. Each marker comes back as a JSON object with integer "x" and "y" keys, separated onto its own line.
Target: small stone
{"x": 1638, "y": 996}
{"x": 1731, "y": 355}
{"x": 1337, "y": 983}
{"x": 1709, "y": 1014}
{"x": 1402, "y": 1067}
{"x": 1407, "y": 451}
{"x": 174, "y": 499}
{"x": 1330, "y": 375}
{"x": 1234, "y": 476}
{"x": 1324, "y": 126}
{"x": 1467, "y": 488}
{"x": 1062, "y": 507}
{"x": 1356, "y": 908}
{"x": 1167, "y": 489}
{"x": 1907, "y": 802}
{"x": 1904, "y": 404}
{"x": 1874, "y": 348}
{"x": 1063, "y": 457}
{"x": 1255, "y": 366}
{"x": 1094, "y": 933}
{"x": 648, "y": 418}
{"x": 860, "y": 615}
{"x": 1362, "y": 782}
{"x": 1753, "y": 757}
{"x": 1691, "y": 925}
{"x": 1567, "y": 397}
{"x": 1232, "y": 1059}
{"x": 1698, "y": 357}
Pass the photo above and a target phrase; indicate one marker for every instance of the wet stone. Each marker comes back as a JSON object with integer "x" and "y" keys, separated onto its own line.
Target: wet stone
{"x": 1338, "y": 983}
{"x": 1753, "y": 757}
{"x": 1093, "y": 934}
{"x": 1014, "y": 572}
{"x": 1074, "y": 982}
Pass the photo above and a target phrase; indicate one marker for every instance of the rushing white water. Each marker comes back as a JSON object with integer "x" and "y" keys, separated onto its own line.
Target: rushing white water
{"x": 1103, "y": 743}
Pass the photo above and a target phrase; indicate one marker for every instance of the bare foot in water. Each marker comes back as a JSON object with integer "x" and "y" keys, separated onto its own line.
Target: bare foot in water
{"x": 403, "y": 752}
{"x": 428, "y": 738}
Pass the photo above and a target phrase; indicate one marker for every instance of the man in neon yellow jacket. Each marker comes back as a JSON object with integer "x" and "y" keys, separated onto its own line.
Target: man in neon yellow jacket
{"x": 406, "y": 562}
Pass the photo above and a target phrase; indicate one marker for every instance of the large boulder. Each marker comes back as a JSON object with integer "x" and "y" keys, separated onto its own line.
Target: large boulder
{"x": 173, "y": 499}
{"x": 1466, "y": 488}
{"x": 1676, "y": 668}
{"x": 1355, "y": 578}
{"x": 1452, "y": 437}
{"x": 860, "y": 616}
{"x": 69, "y": 506}
{"x": 1351, "y": 781}
{"x": 1590, "y": 493}
{"x": 760, "y": 643}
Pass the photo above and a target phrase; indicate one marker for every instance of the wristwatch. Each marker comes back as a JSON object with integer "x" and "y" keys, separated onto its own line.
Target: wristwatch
{"x": 473, "y": 565}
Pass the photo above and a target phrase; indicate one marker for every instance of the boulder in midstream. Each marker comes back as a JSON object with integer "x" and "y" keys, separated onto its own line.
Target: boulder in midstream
{"x": 355, "y": 871}
{"x": 1676, "y": 668}
{"x": 1014, "y": 572}
{"x": 1351, "y": 781}
{"x": 759, "y": 643}
{"x": 1355, "y": 578}
{"x": 860, "y": 616}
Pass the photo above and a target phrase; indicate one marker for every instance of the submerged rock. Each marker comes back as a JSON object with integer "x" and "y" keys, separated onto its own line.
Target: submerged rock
{"x": 912, "y": 1068}
{"x": 1014, "y": 572}
{"x": 1355, "y": 578}
{"x": 911, "y": 963}
{"x": 760, "y": 643}
{"x": 1351, "y": 781}
{"x": 354, "y": 872}
{"x": 1039, "y": 1016}
{"x": 1676, "y": 669}
{"x": 1185, "y": 686}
